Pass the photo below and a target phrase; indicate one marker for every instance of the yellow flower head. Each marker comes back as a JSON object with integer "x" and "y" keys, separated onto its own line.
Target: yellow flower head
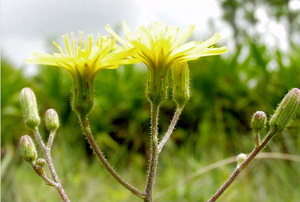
{"x": 162, "y": 47}
{"x": 83, "y": 60}
{"x": 83, "y": 57}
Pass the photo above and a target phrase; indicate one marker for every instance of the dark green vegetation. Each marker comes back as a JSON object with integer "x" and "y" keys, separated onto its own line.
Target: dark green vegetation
{"x": 226, "y": 91}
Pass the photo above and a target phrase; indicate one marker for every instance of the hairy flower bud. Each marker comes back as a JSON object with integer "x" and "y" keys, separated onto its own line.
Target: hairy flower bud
{"x": 41, "y": 162}
{"x": 51, "y": 119}
{"x": 181, "y": 83}
{"x": 39, "y": 170}
{"x": 29, "y": 107}
{"x": 258, "y": 121}
{"x": 241, "y": 158}
{"x": 27, "y": 148}
{"x": 285, "y": 111}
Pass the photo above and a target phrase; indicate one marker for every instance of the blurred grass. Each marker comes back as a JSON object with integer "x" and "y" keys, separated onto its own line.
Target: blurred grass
{"x": 226, "y": 91}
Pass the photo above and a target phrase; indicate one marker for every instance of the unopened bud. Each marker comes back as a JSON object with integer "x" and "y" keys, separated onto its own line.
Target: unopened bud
{"x": 258, "y": 121}
{"x": 39, "y": 170}
{"x": 29, "y": 107}
{"x": 285, "y": 111}
{"x": 40, "y": 162}
{"x": 51, "y": 119}
{"x": 241, "y": 158}
{"x": 27, "y": 148}
{"x": 181, "y": 83}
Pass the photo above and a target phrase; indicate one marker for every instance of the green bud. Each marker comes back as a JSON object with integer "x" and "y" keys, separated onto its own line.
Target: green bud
{"x": 241, "y": 158}
{"x": 41, "y": 162}
{"x": 51, "y": 119}
{"x": 181, "y": 83}
{"x": 83, "y": 93}
{"x": 258, "y": 121}
{"x": 27, "y": 148}
{"x": 29, "y": 107}
{"x": 157, "y": 84}
{"x": 285, "y": 111}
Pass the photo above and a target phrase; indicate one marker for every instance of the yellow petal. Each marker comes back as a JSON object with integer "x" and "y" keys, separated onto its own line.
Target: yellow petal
{"x": 130, "y": 61}
{"x": 171, "y": 33}
{"x": 184, "y": 48}
{"x": 207, "y": 52}
{"x": 159, "y": 31}
{"x": 114, "y": 34}
{"x": 184, "y": 35}
{"x": 58, "y": 47}
{"x": 126, "y": 29}
{"x": 41, "y": 58}
{"x": 146, "y": 38}
{"x": 211, "y": 41}
{"x": 67, "y": 44}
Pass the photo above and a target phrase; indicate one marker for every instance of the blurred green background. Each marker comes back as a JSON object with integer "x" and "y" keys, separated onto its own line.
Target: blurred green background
{"x": 225, "y": 90}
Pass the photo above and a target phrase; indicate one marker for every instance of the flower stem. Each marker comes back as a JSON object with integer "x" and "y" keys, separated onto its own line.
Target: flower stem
{"x": 233, "y": 176}
{"x": 51, "y": 139}
{"x": 170, "y": 129}
{"x": 257, "y": 139}
{"x": 154, "y": 153}
{"x": 47, "y": 153}
{"x": 88, "y": 133}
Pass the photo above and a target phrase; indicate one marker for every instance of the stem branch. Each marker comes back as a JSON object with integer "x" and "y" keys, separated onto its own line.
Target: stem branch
{"x": 51, "y": 139}
{"x": 233, "y": 176}
{"x": 87, "y": 131}
{"x": 170, "y": 129}
{"x": 46, "y": 151}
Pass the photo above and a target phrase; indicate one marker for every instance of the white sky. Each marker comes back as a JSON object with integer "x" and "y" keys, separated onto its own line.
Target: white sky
{"x": 28, "y": 25}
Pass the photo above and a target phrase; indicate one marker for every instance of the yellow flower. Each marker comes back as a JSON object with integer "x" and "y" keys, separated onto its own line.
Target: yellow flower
{"x": 160, "y": 47}
{"x": 83, "y": 60}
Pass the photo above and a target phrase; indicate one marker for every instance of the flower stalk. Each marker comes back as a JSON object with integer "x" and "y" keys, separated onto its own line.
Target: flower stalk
{"x": 170, "y": 129}
{"x": 237, "y": 171}
{"x": 88, "y": 133}
{"x": 154, "y": 153}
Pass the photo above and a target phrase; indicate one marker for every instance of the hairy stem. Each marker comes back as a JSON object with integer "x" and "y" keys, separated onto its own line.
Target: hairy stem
{"x": 154, "y": 153}
{"x": 51, "y": 139}
{"x": 170, "y": 129}
{"x": 87, "y": 131}
{"x": 46, "y": 151}
{"x": 233, "y": 176}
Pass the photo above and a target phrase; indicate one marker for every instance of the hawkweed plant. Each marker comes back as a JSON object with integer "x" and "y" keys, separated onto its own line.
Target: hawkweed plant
{"x": 164, "y": 50}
